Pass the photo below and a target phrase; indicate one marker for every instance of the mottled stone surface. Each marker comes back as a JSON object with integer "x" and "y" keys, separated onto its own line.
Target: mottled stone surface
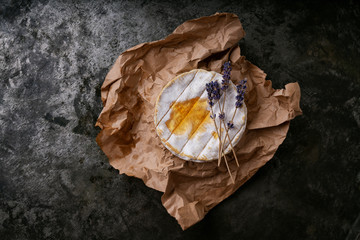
{"x": 55, "y": 182}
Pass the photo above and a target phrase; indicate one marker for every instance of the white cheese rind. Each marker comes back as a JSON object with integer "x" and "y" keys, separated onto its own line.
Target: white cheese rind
{"x": 167, "y": 97}
{"x": 201, "y": 142}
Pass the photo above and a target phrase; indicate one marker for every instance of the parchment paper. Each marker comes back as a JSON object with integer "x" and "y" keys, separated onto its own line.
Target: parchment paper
{"x": 128, "y": 134}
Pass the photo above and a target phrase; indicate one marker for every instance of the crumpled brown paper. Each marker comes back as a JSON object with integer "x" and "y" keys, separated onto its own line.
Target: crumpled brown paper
{"x": 128, "y": 134}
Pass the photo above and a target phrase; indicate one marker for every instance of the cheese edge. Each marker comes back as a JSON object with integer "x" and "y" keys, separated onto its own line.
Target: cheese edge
{"x": 234, "y": 141}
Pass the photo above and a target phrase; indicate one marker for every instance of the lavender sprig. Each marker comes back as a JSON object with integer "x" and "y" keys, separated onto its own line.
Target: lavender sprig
{"x": 240, "y": 88}
{"x": 213, "y": 91}
{"x": 225, "y": 85}
{"x": 226, "y": 76}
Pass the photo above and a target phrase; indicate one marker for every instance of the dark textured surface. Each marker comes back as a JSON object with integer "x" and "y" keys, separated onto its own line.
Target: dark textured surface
{"x": 55, "y": 182}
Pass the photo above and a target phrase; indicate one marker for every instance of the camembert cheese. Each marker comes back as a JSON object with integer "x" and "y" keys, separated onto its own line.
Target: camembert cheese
{"x": 182, "y": 117}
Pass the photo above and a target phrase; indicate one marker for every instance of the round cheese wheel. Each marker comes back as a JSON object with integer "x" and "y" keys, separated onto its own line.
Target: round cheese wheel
{"x": 182, "y": 117}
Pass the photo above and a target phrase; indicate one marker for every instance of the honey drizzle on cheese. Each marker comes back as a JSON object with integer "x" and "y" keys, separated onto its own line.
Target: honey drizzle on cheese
{"x": 195, "y": 112}
{"x": 188, "y": 110}
{"x": 214, "y": 134}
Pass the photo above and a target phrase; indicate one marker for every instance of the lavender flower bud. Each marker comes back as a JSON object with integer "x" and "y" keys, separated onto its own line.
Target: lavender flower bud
{"x": 238, "y": 104}
{"x": 230, "y": 125}
{"x": 213, "y": 92}
{"x": 240, "y": 89}
{"x": 239, "y": 97}
{"x": 226, "y": 75}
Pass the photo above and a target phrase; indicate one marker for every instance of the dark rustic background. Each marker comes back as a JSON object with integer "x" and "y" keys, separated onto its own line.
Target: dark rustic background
{"x": 55, "y": 182}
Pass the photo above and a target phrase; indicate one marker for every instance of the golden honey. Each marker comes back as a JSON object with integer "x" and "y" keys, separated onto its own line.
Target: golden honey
{"x": 188, "y": 116}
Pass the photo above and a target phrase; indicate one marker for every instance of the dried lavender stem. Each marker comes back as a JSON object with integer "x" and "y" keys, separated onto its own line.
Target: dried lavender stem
{"x": 227, "y": 132}
{"x": 227, "y": 135}
{"x": 222, "y": 121}
{"x": 232, "y": 148}
{"x": 232, "y": 119}
{"x": 228, "y": 168}
{"x": 220, "y": 147}
{"x": 223, "y": 106}
{"x": 217, "y": 132}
